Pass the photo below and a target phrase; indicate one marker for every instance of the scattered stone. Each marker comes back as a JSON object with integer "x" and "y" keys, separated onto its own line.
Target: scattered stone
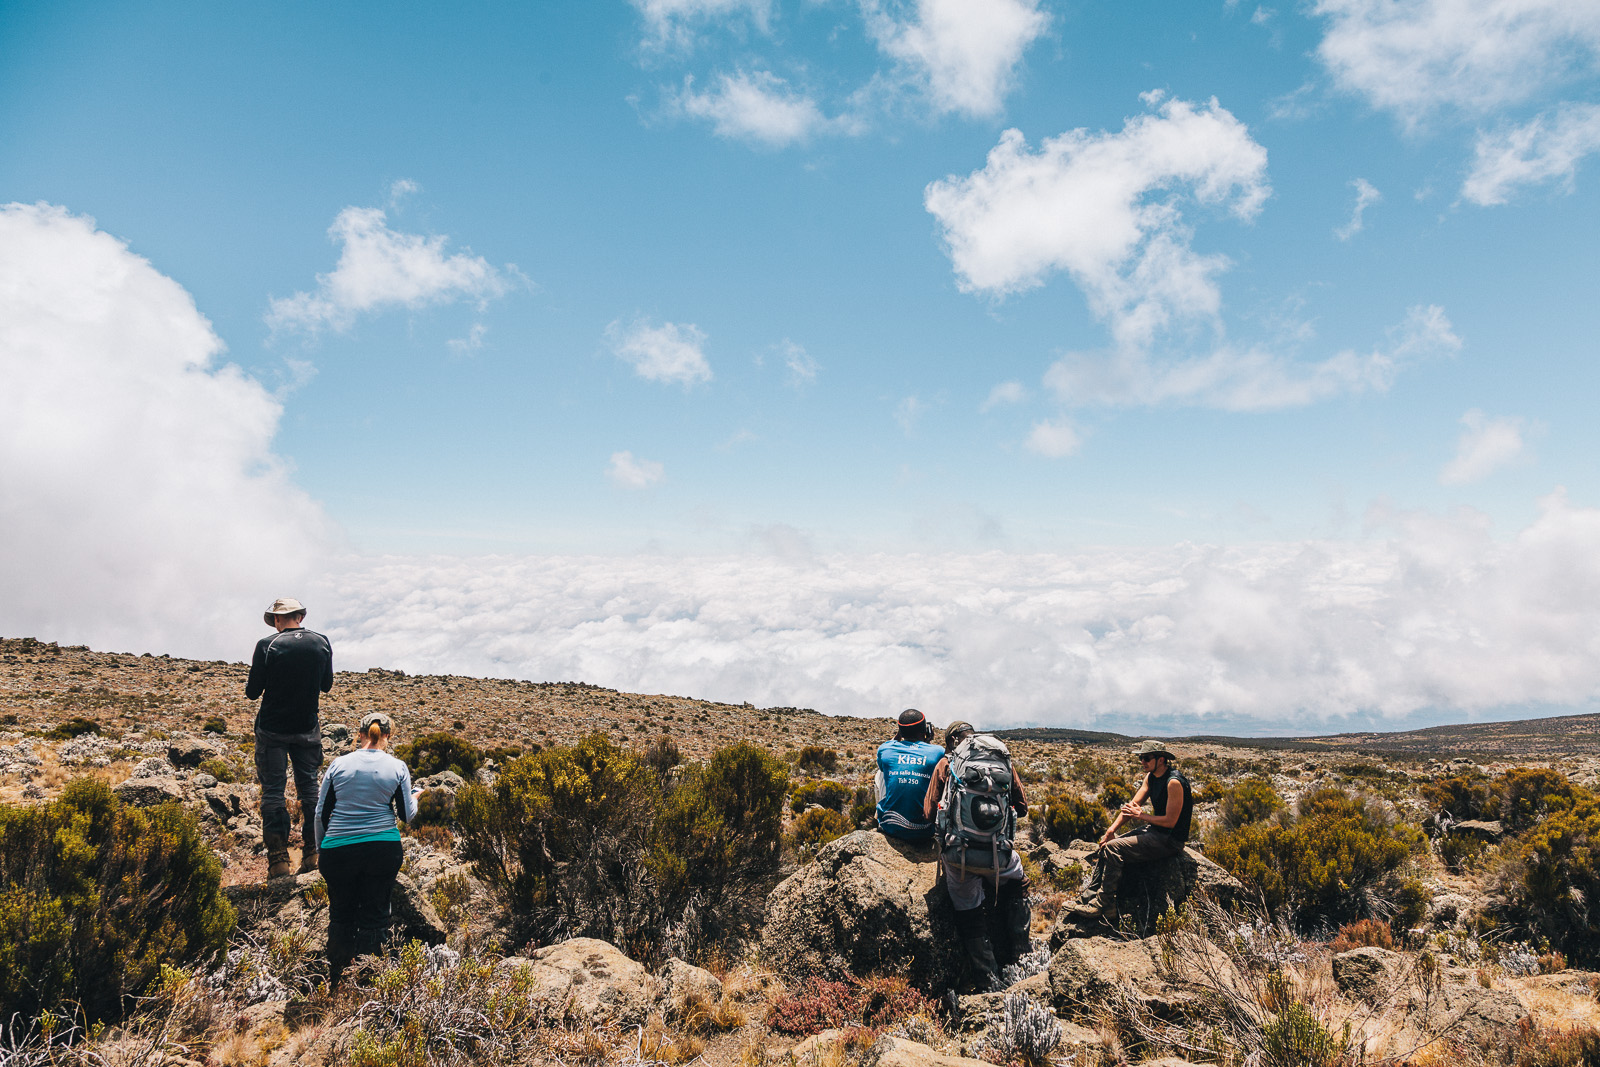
{"x": 146, "y": 792}
{"x": 587, "y": 982}
{"x": 682, "y": 981}
{"x": 336, "y": 734}
{"x": 1483, "y": 829}
{"x": 152, "y": 767}
{"x": 447, "y": 780}
{"x": 1367, "y": 973}
{"x": 868, "y": 904}
{"x": 190, "y": 751}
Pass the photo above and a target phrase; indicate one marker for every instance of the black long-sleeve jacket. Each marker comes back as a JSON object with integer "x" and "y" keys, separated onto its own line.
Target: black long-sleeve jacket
{"x": 293, "y": 669}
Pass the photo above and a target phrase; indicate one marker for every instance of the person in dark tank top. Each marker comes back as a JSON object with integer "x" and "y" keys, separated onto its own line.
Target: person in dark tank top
{"x": 1160, "y": 833}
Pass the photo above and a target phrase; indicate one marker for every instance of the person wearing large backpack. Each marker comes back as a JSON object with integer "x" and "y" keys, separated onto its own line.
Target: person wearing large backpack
{"x": 974, "y": 799}
{"x": 1164, "y": 831}
{"x": 905, "y": 766}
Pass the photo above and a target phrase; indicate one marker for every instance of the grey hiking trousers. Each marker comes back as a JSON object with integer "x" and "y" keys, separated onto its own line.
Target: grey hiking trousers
{"x": 275, "y": 753}
{"x": 1141, "y": 846}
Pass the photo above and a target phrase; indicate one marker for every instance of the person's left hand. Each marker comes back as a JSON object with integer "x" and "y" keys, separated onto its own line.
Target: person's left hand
{"x": 1131, "y": 811}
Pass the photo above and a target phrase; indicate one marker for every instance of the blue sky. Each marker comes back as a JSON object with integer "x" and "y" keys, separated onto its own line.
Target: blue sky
{"x": 865, "y": 288}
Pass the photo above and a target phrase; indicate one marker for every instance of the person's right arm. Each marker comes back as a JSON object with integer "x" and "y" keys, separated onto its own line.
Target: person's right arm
{"x": 256, "y": 683}
{"x": 1138, "y": 799}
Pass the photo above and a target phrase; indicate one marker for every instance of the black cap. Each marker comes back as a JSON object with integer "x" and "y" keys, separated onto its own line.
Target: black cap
{"x": 912, "y": 717}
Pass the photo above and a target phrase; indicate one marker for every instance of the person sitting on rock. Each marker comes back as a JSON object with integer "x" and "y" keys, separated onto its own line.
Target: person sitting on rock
{"x": 965, "y": 881}
{"x": 905, "y": 766}
{"x": 1164, "y": 831}
{"x": 362, "y": 795}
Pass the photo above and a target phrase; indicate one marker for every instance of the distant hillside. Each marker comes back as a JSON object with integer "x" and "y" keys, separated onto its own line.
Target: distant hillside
{"x": 1530, "y": 738}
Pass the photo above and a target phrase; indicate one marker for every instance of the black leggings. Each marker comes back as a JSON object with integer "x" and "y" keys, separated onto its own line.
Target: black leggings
{"x": 360, "y": 879}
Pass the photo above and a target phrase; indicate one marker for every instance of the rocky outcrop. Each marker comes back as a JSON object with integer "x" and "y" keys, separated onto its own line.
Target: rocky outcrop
{"x": 1086, "y": 974}
{"x": 1470, "y": 1014}
{"x": 1148, "y": 890}
{"x": 191, "y": 751}
{"x": 866, "y": 905}
{"x": 887, "y": 1052}
{"x": 587, "y": 982}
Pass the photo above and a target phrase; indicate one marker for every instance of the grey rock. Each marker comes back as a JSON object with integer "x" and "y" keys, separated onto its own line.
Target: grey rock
{"x": 204, "y": 781}
{"x": 1148, "y": 890}
{"x": 145, "y": 792}
{"x": 682, "y": 981}
{"x": 1484, "y": 829}
{"x": 414, "y": 916}
{"x": 1087, "y": 973}
{"x": 447, "y": 780}
{"x": 1367, "y": 973}
{"x": 585, "y": 981}
{"x": 190, "y": 751}
{"x": 866, "y": 905}
{"x": 336, "y": 734}
{"x": 152, "y": 767}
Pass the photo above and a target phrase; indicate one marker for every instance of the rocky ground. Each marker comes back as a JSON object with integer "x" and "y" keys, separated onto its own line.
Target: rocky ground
{"x": 160, "y": 729}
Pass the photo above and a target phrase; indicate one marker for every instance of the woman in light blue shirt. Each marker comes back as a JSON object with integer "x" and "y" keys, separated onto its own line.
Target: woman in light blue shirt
{"x": 362, "y": 796}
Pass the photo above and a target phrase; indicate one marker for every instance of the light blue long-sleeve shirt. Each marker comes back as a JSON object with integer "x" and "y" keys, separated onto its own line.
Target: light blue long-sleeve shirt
{"x": 362, "y": 794}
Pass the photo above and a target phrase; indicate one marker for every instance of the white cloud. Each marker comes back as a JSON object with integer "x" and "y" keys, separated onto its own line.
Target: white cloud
{"x": 671, "y": 352}
{"x": 1438, "y": 615}
{"x": 1053, "y": 439}
{"x": 401, "y": 188}
{"x": 1366, "y": 196}
{"x": 672, "y": 22}
{"x": 963, "y": 53}
{"x": 473, "y": 341}
{"x": 908, "y": 413}
{"x": 1106, "y": 208}
{"x": 1485, "y": 445}
{"x": 757, "y": 107}
{"x": 1546, "y": 148}
{"x": 800, "y": 367}
{"x": 1004, "y": 393}
{"x": 631, "y": 473}
{"x": 380, "y": 268}
{"x": 1417, "y": 57}
{"x": 1250, "y": 379}
{"x": 142, "y": 503}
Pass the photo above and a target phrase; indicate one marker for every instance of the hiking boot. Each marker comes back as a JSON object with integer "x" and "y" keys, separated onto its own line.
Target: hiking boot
{"x": 278, "y": 865}
{"x": 308, "y": 860}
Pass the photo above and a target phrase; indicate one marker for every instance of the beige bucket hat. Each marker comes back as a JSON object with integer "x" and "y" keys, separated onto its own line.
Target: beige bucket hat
{"x": 1152, "y": 748}
{"x": 284, "y": 605}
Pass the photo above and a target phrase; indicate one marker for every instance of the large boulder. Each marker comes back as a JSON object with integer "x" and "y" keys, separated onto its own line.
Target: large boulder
{"x": 887, "y": 1052}
{"x": 1087, "y": 973}
{"x": 868, "y": 904}
{"x": 683, "y": 982}
{"x": 1147, "y": 890}
{"x": 1472, "y": 1015}
{"x": 191, "y": 751}
{"x": 587, "y": 982}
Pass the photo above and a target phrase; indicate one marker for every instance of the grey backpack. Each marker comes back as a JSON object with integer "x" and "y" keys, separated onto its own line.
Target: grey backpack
{"x": 976, "y": 823}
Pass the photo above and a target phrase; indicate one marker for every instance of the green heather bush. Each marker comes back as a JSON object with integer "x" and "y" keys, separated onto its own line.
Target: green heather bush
{"x": 1064, "y": 818}
{"x": 817, "y": 760}
{"x": 1549, "y": 878}
{"x": 1464, "y": 796}
{"x": 1336, "y": 861}
{"x": 1115, "y": 793}
{"x": 433, "y": 753}
{"x": 216, "y": 724}
{"x": 1294, "y": 1038}
{"x": 864, "y": 808}
{"x": 829, "y": 794}
{"x": 1528, "y": 794}
{"x": 76, "y": 726}
{"x": 1246, "y": 801}
{"x": 590, "y": 841}
{"x": 817, "y": 827}
{"x": 96, "y": 897}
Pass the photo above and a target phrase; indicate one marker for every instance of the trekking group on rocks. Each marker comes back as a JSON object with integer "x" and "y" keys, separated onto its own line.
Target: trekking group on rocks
{"x": 965, "y": 798}
{"x": 961, "y": 798}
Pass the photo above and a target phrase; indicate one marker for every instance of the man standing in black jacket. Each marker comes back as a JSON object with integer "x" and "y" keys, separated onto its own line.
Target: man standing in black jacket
{"x": 290, "y": 671}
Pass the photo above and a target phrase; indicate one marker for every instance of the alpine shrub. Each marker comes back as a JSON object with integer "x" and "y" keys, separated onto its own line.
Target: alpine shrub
{"x": 1548, "y": 877}
{"x": 1065, "y": 818}
{"x": 95, "y": 898}
{"x": 76, "y": 726}
{"x": 819, "y": 1005}
{"x": 1114, "y": 793}
{"x": 1363, "y": 933}
{"x": 1464, "y": 796}
{"x": 216, "y": 724}
{"x": 1528, "y": 794}
{"x": 432, "y": 753}
{"x": 1246, "y": 801}
{"x": 1294, "y": 1038}
{"x": 829, "y": 794}
{"x": 817, "y": 760}
{"x": 817, "y": 827}
{"x": 1336, "y": 861}
{"x": 589, "y": 840}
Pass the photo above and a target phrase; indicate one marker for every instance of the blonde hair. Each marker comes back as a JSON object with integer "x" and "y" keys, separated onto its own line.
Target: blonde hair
{"x": 375, "y": 732}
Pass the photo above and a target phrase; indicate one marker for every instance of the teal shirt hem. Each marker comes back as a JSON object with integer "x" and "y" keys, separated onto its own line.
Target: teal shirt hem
{"x": 360, "y": 839}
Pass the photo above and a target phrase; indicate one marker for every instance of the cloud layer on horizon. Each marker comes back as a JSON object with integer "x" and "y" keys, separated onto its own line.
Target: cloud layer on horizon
{"x": 1440, "y": 616}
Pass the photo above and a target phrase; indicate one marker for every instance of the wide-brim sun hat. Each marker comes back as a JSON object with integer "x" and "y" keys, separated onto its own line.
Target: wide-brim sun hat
{"x": 1152, "y": 748}
{"x": 284, "y": 605}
